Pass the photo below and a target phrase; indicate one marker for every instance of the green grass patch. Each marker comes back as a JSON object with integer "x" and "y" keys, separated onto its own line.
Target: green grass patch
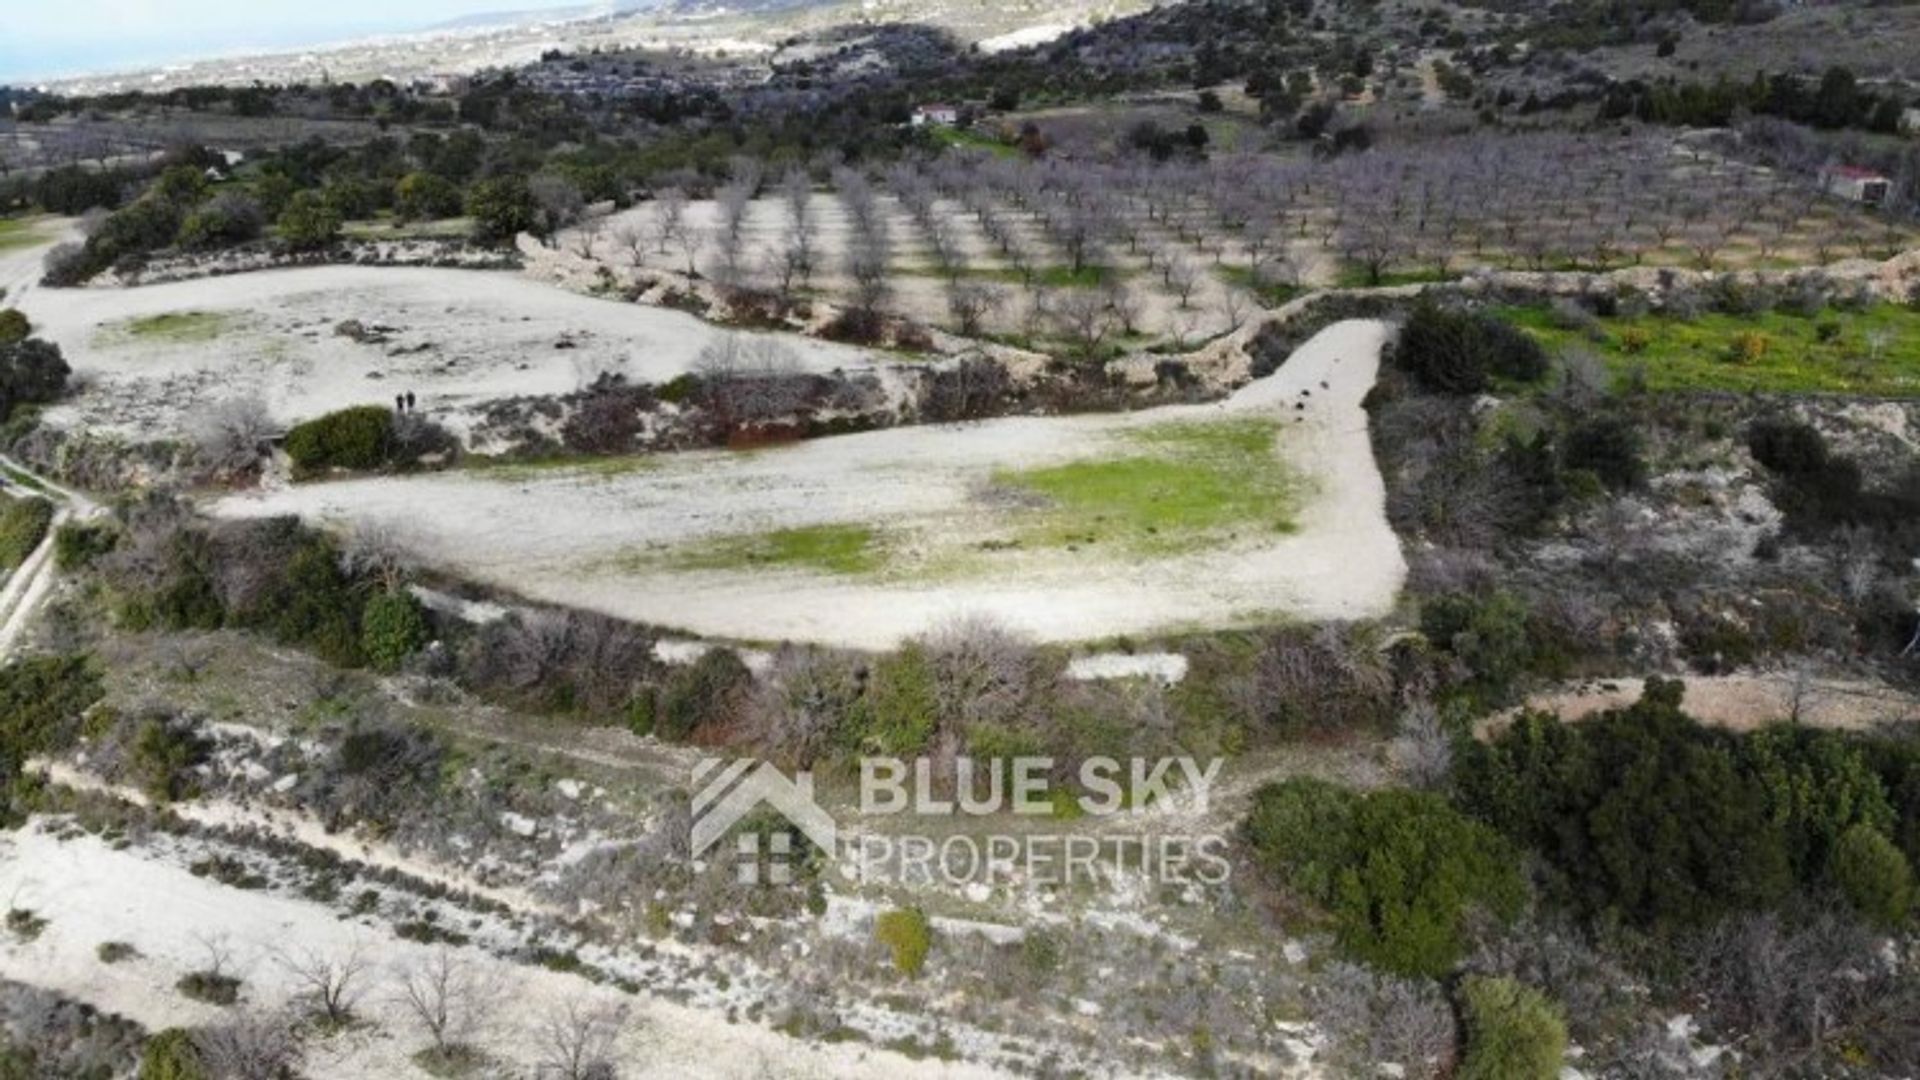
{"x": 1270, "y": 293}
{"x": 1356, "y": 277}
{"x": 832, "y": 549}
{"x": 23, "y": 525}
{"x": 1179, "y": 486}
{"x": 518, "y": 470}
{"x": 19, "y": 232}
{"x": 965, "y": 139}
{"x": 1061, "y": 277}
{"x": 1873, "y": 351}
{"x": 386, "y": 227}
{"x": 180, "y": 327}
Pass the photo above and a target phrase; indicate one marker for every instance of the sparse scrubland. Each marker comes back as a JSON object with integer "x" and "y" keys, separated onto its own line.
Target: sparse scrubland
{"x": 1517, "y": 491}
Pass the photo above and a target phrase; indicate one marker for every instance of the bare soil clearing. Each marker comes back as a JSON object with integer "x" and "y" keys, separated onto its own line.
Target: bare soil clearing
{"x": 1750, "y": 700}
{"x": 154, "y": 356}
{"x": 609, "y": 543}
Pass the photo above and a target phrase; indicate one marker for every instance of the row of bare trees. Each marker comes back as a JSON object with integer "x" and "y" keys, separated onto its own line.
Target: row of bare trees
{"x": 455, "y": 1003}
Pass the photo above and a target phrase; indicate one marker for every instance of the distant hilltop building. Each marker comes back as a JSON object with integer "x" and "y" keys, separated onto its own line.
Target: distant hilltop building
{"x": 939, "y": 115}
{"x": 447, "y": 85}
{"x": 1855, "y": 184}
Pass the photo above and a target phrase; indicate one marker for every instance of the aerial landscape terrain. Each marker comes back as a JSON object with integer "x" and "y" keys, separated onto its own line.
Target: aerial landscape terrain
{"x": 800, "y": 538}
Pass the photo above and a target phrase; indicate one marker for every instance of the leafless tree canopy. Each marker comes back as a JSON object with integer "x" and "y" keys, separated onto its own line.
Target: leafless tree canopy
{"x": 452, "y": 1002}
{"x": 578, "y": 1040}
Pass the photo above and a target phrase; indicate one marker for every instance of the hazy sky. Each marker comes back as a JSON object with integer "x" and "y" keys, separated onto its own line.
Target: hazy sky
{"x": 55, "y": 37}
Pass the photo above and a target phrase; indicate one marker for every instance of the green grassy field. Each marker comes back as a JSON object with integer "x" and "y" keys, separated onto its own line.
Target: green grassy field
{"x": 178, "y": 327}
{"x": 19, "y": 233}
{"x": 1181, "y": 486}
{"x": 1873, "y": 351}
{"x": 832, "y": 549}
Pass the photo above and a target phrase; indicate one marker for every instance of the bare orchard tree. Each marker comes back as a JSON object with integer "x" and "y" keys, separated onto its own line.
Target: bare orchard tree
{"x": 736, "y": 201}
{"x": 578, "y": 1040}
{"x": 669, "y": 218}
{"x": 1082, "y": 316}
{"x": 452, "y": 1003}
{"x": 249, "y": 1046}
{"x": 232, "y": 436}
{"x": 633, "y": 240}
{"x": 1182, "y": 276}
{"x": 586, "y": 237}
{"x": 803, "y": 224}
{"x": 969, "y": 302}
{"x": 691, "y": 242}
{"x": 333, "y": 982}
{"x": 557, "y": 203}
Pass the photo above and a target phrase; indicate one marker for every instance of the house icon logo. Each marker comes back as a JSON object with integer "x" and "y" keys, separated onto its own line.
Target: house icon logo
{"x": 725, "y": 792}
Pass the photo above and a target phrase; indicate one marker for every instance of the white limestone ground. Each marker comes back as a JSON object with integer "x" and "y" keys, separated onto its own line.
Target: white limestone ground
{"x": 595, "y": 541}
{"x": 458, "y": 339}
{"x": 92, "y": 892}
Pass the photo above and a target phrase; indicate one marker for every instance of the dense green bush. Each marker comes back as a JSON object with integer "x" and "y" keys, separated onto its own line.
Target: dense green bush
{"x": 897, "y": 716}
{"x": 392, "y": 628}
{"x": 357, "y": 438}
{"x": 23, "y": 524}
{"x": 1488, "y": 634}
{"x": 423, "y": 195}
{"x": 1401, "y": 872}
{"x": 14, "y": 326}
{"x": 77, "y": 544}
{"x": 1874, "y": 877}
{"x": 309, "y": 223}
{"x": 1457, "y": 352}
{"x": 1643, "y": 815}
{"x": 32, "y": 372}
{"x": 702, "y": 693}
{"x": 171, "y": 1055}
{"x": 908, "y": 934}
{"x": 1610, "y": 448}
{"x": 163, "y": 757}
{"x": 1512, "y": 1032}
{"x": 501, "y": 209}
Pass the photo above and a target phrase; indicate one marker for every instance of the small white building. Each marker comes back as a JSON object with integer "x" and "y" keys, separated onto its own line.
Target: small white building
{"x": 941, "y": 115}
{"x": 1855, "y": 184}
{"x": 1910, "y": 122}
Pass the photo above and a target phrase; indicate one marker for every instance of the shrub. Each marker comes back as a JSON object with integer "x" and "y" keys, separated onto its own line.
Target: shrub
{"x": 23, "y": 525}
{"x": 357, "y": 438}
{"x": 501, "y": 209}
{"x": 309, "y": 223}
{"x": 1635, "y": 340}
{"x": 908, "y": 934}
{"x": 1749, "y": 347}
{"x": 32, "y": 372}
{"x": 1639, "y": 813}
{"x": 211, "y": 987}
{"x": 392, "y": 628}
{"x": 114, "y": 952}
{"x": 896, "y": 717}
{"x": 706, "y": 692}
{"x": 77, "y": 544}
{"x": 1461, "y": 352}
{"x": 1874, "y": 876}
{"x": 1489, "y": 636}
{"x": 13, "y": 326}
{"x": 425, "y": 195}
{"x": 1512, "y": 1032}
{"x": 164, "y": 756}
{"x": 24, "y": 924}
{"x": 1610, "y": 448}
{"x": 41, "y": 699}
{"x": 1400, "y": 871}
{"x": 172, "y": 1055}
